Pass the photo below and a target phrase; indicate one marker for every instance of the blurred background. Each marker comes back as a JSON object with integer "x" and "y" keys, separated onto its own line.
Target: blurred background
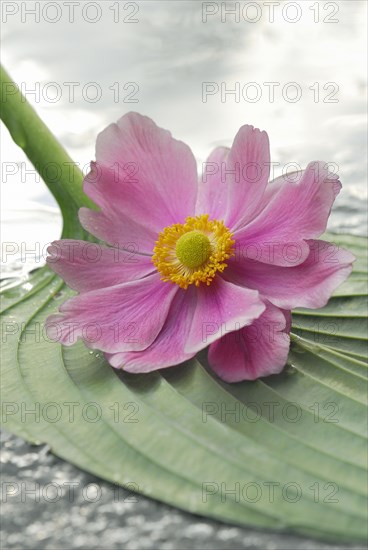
{"x": 294, "y": 69}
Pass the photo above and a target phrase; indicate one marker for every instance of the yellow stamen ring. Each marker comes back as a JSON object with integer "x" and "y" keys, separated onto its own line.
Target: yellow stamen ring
{"x": 192, "y": 252}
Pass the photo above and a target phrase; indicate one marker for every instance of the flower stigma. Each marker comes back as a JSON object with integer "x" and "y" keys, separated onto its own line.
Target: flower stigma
{"x": 193, "y": 252}
{"x": 193, "y": 249}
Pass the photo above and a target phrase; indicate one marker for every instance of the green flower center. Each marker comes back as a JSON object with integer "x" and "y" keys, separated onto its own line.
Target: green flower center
{"x": 193, "y": 249}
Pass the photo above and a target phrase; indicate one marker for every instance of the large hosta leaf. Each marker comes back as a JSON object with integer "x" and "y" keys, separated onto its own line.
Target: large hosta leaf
{"x": 285, "y": 452}
{"x": 184, "y": 437}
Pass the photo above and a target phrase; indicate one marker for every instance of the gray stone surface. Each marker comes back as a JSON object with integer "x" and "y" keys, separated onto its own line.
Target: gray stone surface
{"x": 41, "y": 509}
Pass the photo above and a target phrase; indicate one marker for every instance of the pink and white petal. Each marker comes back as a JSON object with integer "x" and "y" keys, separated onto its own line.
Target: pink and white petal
{"x": 89, "y": 266}
{"x": 126, "y": 317}
{"x": 122, "y": 232}
{"x": 168, "y": 348}
{"x": 257, "y": 350}
{"x": 212, "y": 187}
{"x": 269, "y": 251}
{"x": 143, "y": 173}
{"x": 249, "y": 159}
{"x": 293, "y": 211}
{"x": 309, "y": 284}
{"x": 220, "y": 308}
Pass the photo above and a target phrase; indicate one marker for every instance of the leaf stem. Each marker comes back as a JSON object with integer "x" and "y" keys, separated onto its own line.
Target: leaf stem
{"x": 60, "y": 173}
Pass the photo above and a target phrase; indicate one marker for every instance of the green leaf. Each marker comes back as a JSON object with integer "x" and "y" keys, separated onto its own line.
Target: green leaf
{"x": 284, "y": 452}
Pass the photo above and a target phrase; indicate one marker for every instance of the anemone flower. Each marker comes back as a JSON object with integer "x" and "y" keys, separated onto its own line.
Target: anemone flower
{"x": 218, "y": 262}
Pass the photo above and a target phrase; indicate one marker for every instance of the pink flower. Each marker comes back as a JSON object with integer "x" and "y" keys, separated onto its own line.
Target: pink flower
{"x": 218, "y": 263}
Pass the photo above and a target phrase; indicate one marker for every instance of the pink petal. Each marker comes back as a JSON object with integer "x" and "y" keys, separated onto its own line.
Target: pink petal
{"x": 124, "y": 317}
{"x": 220, "y": 308}
{"x": 257, "y": 350}
{"x": 292, "y": 212}
{"x": 121, "y": 232}
{"x": 249, "y": 157}
{"x": 212, "y": 190}
{"x": 142, "y": 174}
{"x": 114, "y": 222}
{"x": 309, "y": 284}
{"x": 88, "y": 266}
{"x": 168, "y": 348}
